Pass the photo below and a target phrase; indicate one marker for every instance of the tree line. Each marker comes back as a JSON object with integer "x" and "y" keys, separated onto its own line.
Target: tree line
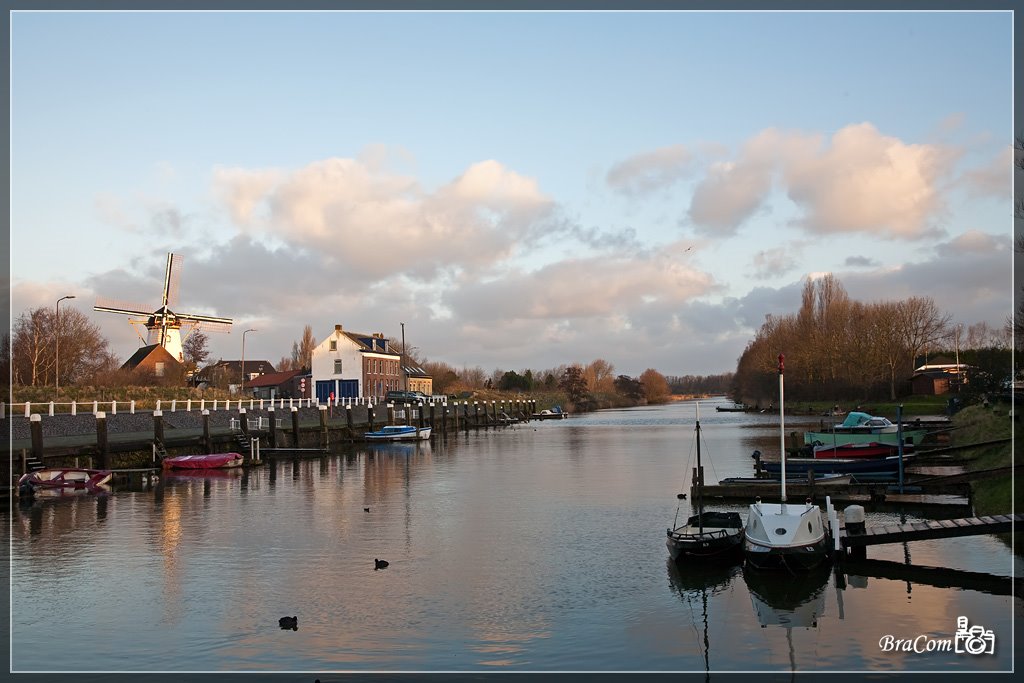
{"x": 838, "y": 348}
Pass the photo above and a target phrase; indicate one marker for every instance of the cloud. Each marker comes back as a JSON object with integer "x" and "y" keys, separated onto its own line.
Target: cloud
{"x": 972, "y": 241}
{"x": 772, "y": 263}
{"x": 650, "y": 171}
{"x": 860, "y": 182}
{"x": 860, "y": 262}
{"x": 600, "y": 286}
{"x": 994, "y": 179}
{"x": 373, "y": 223}
{"x": 865, "y": 182}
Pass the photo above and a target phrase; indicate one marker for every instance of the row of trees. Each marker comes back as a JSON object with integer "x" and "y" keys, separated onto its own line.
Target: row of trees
{"x": 836, "y": 347}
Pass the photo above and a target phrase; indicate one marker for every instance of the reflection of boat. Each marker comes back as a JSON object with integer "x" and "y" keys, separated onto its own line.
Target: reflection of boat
{"x": 59, "y": 493}
{"x": 398, "y": 447}
{"x": 202, "y": 462}
{"x": 869, "y": 449}
{"x": 779, "y": 600}
{"x": 734, "y": 408}
{"x": 399, "y": 433}
{"x": 784, "y": 534}
{"x": 707, "y": 534}
{"x": 698, "y": 580}
{"x": 863, "y": 428}
{"x": 63, "y": 479}
{"x": 208, "y": 473}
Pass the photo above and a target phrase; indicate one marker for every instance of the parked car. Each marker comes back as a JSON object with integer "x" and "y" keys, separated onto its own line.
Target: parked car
{"x": 404, "y": 397}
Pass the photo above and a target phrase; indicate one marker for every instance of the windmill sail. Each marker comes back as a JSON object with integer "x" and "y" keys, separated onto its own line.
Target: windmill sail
{"x": 164, "y": 325}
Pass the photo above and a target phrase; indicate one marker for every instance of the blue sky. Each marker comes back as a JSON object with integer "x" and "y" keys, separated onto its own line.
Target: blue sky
{"x": 522, "y": 190}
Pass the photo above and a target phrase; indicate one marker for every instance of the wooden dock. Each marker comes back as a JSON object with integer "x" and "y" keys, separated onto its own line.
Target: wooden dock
{"x": 937, "y": 528}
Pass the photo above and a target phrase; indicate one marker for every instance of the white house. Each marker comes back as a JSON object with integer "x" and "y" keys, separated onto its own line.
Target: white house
{"x": 349, "y": 364}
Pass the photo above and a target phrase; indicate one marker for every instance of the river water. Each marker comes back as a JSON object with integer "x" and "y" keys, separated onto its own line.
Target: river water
{"x": 538, "y": 547}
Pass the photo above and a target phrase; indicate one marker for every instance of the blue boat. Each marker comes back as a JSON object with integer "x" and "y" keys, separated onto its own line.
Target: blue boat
{"x": 399, "y": 433}
{"x": 888, "y": 466}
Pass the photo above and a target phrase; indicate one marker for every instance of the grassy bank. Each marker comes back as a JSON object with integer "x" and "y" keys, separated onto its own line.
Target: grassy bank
{"x": 976, "y": 424}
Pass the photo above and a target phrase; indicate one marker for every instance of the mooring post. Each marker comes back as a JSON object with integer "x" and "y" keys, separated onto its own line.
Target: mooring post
{"x": 369, "y": 416}
{"x": 391, "y": 413}
{"x": 273, "y": 427}
{"x": 323, "y": 427}
{"x": 158, "y": 425}
{"x": 855, "y": 526}
{"x": 207, "y": 443}
{"x": 101, "y": 441}
{"x": 295, "y": 427}
{"x": 36, "y": 422}
{"x": 348, "y": 421}
{"x": 433, "y": 424}
{"x": 243, "y": 422}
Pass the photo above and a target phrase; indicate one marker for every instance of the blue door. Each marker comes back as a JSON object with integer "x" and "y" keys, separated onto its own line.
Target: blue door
{"x": 349, "y": 388}
{"x": 324, "y": 387}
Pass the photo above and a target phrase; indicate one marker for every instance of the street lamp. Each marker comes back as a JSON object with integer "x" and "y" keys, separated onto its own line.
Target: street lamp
{"x": 241, "y": 387}
{"x": 56, "y": 345}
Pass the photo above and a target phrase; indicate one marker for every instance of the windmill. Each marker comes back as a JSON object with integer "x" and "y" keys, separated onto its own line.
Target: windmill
{"x": 163, "y": 325}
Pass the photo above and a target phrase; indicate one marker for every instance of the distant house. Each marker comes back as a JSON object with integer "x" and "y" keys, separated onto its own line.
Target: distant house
{"x": 289, "y": 384}
{"x": 231, "y": 371}
{"x": 350, "y": 364}
{"x": 418, "y": 379}
{"x": 930, "y": 383}
{"x": 153, "y": 360}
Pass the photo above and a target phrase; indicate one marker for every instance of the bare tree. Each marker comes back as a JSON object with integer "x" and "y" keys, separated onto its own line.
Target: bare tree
{"x": 194, "y": 349}
{"x": 83, "y": 350}
{"x": 600, "y": 376}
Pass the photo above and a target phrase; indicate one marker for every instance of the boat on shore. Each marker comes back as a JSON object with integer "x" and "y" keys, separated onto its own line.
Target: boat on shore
{"x": 860, "y": 427}
{"x": 555, "y": 413}
{"x": 203, "y": 462}
{"x": 784, "y": 535}
{"x": 828, "y": 479}
{"x": 734, "y": 408}
{"x": 708, "y": 534}
{"x": 399, "y": 433}
{"x": 63, "y": 479}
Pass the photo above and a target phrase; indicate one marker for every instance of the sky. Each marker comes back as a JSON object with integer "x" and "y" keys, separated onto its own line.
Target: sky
{"x": 521, "y": 190}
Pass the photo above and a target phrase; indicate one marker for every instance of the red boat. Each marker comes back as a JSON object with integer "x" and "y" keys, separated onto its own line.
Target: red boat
{"x": 64, "y": 478}
{"x": 203, "y": 462}
{"x": 869, "y": 450}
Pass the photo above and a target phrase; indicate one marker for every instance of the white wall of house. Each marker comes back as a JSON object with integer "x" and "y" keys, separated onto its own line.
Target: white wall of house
{"x": 326, "y": 354}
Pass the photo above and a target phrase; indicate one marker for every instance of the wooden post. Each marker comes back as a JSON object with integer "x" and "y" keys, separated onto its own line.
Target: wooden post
{"x": 295, "y": 427}
{"x": 433, "y": 423}
{"x": 103, "y": 460}
{"x": 36, "y": 423}
{"x": 369, "y": 417}
{"x": 207, "y": 443}
{"x": 323, "y": 427}
{"x": 273, "y": 427}
{"x": 476, "y": 413}
{"x": 348, "y": 421}
{"x": 391, "y": 413}
{"x": 243, "y": 422}
{"x": 158, "y": 425}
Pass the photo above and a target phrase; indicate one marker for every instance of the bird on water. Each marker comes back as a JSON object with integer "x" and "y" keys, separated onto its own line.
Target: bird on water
{"x": 379, "y": 564}
{"x": 289, "y": 623}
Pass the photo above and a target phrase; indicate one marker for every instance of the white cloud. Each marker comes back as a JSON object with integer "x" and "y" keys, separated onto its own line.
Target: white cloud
{"x": 650, "y": 171}
{"x": 994, "y": 179}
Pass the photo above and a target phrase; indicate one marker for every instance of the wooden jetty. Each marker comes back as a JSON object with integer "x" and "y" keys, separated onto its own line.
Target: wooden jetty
{"x": 934, "y": 528}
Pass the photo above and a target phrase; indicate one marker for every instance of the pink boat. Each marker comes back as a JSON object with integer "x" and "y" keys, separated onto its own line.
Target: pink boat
{"x": 203, "y": 462}
{"x": 64, "y": 478}
{"x": 869, "y": 450}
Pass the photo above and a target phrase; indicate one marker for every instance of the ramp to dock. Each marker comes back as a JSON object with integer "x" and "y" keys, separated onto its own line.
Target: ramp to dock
{"x": 941, "y": 528}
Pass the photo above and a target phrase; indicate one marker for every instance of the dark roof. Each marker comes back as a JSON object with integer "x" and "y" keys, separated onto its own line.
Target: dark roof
{"x": 273, "y": 379}
{"x": 415, "y": 371}
{"x": 157, "y": 350}
{"x": 364, "y": 340}
{"x": 934, "y": 374}
{"x": 235, "y": 366}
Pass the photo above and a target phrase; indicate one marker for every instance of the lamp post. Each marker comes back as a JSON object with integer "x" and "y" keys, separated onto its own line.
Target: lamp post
{"x": 241, "y": 387}
{"x": 56, "y": 345}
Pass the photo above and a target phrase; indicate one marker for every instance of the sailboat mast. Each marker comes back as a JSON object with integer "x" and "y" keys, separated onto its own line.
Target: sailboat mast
{"x": 782, "y": 424}
{"x": 700, "y": 480}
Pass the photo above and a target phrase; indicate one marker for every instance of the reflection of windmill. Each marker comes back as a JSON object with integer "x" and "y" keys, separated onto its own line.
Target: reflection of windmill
{"x": 164, "y": 325}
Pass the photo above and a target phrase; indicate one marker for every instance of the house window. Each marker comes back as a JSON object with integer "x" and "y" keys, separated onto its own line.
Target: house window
{"x": 159, "y": 367}
{"x": 334, "y": 345}
{"x": 337, "y": 366}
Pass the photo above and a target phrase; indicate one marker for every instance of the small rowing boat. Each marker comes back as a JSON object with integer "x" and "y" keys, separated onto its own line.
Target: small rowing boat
{"x": 399, "y": 433}
{"x": 63, "y": 478}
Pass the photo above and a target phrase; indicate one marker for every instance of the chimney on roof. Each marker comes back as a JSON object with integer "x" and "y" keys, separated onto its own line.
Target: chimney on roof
{"x": 337, "y": 328}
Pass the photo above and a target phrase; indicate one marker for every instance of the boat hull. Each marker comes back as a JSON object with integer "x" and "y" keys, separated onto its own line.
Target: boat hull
{"x": 411, "y": 434}
{"x": 203, "y": 462}
{"x": 785, "y": 535}
{"x": 856, "y": 466}
{"x": 871, "y": 449}
{"x": 841, "y": 438}
{"x": 721, "y": 536}
{"x": 65, "y": 478}
{"x": 803, "y": 557}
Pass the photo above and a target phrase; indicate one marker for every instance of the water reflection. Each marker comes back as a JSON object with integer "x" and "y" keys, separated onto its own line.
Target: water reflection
{"x": 781, "y": 598}
{"x": 696, "y": 584}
